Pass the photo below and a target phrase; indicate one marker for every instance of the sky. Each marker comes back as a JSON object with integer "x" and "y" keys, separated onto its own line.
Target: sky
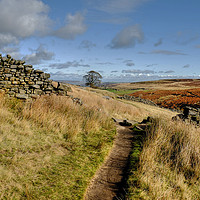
{"x": 123, "y": 40}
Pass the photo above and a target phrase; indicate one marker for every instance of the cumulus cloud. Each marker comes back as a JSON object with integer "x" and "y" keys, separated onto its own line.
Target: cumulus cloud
{"x": 13, "y": 51}
{"x": 6, "y": 39}
{"x": 186, "y": 66}
{"x": 138, "y": 71}
{"x": 116, "y": 6}
{"x": 160, "y": 41}
{"x": 39, "y": 55}
{"x": 86, "y": 44}
{"x": 127, "y": 37}
{"x": 74, "y": 26}
{"x": 68, "y": 64}
{"x": 22, "y": 19}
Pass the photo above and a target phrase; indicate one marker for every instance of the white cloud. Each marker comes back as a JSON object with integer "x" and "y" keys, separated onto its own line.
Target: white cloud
{"x": 13, "y": 51}
{"x": 68, "y": 64}
{"x": 74, "y": 26}
{"x": 7, "y": 39}
{"x": 138, "y": 71}
{"x": 22, "y": 18}
{"x": 128, "y": 37}
{"x": 59, "y": 75}
{"x": 115, "y": 6}
{"x": 38, "y": 56}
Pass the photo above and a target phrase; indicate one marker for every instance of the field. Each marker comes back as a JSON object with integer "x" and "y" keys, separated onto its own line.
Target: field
{"x": 52, "y": 147}
{"x": 167, "y": 93}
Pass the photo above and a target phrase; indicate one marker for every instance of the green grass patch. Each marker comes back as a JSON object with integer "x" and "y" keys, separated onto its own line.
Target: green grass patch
{"x": 121, "y": 92}
{"x": 133, "y": 183}
{"x": 39, "y": 162}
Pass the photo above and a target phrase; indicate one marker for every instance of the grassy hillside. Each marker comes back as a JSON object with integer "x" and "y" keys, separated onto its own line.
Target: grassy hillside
{"x": 169, "y": 163}
{"x": 51, "y": 147}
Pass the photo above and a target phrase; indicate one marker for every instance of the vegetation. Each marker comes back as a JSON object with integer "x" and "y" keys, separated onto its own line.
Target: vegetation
{"x": 169, "y": 163}
{"x": 51, "y": 147}
{"x": 171, "y": 98}
{"x": 92, "y": 79}
{"x": 120, "y": 92}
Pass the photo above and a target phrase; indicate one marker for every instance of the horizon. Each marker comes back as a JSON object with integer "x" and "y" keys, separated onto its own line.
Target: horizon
{"x": 123, "y": 40}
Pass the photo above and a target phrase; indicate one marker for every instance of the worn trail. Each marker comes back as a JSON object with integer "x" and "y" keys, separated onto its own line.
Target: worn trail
{"x": 108, "y": 179}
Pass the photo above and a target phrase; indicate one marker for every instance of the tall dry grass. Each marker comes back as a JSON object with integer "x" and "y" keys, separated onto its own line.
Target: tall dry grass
{"x": 112, "y": 107}
{"x": 170, "y": 162}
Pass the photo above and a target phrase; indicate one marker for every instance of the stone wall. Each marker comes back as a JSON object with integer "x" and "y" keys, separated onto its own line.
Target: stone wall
{"x": 138, "y": 99}
{"x": 24, "y": 82}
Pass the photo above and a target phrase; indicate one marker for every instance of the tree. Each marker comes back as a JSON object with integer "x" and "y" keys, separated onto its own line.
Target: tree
{"x": 92, "y": 79}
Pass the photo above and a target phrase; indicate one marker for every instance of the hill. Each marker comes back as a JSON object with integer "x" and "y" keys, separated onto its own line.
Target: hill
{"x": 51, "y": 147}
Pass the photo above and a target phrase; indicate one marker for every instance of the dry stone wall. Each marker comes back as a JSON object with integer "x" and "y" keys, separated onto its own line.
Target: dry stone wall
{"x": 24, "y": 82}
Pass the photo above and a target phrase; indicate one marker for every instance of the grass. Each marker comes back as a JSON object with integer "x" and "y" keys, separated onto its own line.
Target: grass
{"x": 121, "y": 92}
{"x": 169, "y": 163}
{"x": 50, "y": 148}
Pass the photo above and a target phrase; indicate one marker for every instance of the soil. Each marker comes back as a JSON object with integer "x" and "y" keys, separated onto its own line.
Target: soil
{"x": 108, "y": 181}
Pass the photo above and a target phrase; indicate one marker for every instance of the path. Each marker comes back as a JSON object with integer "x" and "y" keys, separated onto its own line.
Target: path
{"x": 107, "y": 181}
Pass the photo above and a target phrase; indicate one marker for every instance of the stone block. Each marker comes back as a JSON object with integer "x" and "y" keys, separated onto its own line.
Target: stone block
{"x": 15, "y": 82}
{"x": 13, "y": 70}
{"x": 20, "y": 67}
{"x": 38, "y": 71}
{"x": 22, "y": 96}
{"x": 35, "y": 86}
{"x": 13, "y": 66}
{"x": 37, "y": 91}
{"x": 55, "y": 84}
{"x": 6, "y": 70}
{"x": 39, "y": 83}
{"x": 31, "y": 83}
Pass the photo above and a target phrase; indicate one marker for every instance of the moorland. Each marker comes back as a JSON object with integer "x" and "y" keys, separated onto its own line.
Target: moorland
{"x": 52, "y": 147}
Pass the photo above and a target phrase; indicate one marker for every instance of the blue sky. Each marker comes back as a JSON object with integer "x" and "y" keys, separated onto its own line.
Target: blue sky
{"x": 124, "y": 40}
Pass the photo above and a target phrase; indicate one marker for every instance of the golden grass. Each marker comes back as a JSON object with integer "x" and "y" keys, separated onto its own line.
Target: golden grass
{"x": 170, "y": 162}
{"x": 111, "y": 107}
{"x": 158, "y": 85}
{"x": 50, "y": 148}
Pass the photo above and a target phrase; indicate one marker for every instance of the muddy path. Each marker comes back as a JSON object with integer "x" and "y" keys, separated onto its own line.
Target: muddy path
{"x": 107, "y": 181}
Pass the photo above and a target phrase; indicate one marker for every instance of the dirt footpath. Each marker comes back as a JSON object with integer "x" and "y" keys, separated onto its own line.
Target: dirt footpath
{"x": 108, "y": 180}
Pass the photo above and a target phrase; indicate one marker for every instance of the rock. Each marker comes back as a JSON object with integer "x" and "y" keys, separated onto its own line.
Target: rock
{"x": 22, "y": 96}
{"x": 106, "y": 97}
{"x": 38, "y": 71}
{"x": 55, "y": 84}
{"x": 125, "y": 123}
{"x": 35, "y": 86}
